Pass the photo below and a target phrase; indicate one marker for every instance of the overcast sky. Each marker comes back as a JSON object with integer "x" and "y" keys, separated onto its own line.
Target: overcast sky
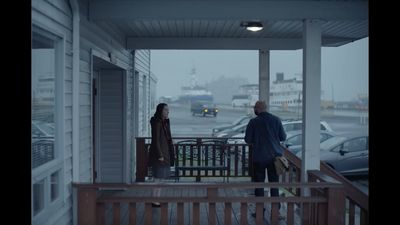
{"x": 344, "y": 68}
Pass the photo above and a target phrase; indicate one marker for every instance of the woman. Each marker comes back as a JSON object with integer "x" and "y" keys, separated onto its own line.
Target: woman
{"x": 161, "y": 154}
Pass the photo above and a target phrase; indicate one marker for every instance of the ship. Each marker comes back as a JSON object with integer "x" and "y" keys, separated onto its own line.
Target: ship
{"x": 194, "y": 92}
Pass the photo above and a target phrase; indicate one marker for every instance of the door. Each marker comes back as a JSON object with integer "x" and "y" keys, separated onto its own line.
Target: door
{"x": 109, "y": 125}
{"x": 354, "y": 156}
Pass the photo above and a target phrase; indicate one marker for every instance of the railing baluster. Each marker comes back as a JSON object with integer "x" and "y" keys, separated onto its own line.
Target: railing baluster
{"x": 290, "y": 213}
{"x": 214, "y": 163}
{"x": 243, "y": 213}
{"x": 243, "y": 159}
{"x": 184, "y": 159}
{"x": 147, "y": 213}
{"x": 132, "y": 213}
{"x": 236, "y": 161}
{"x": 164, "y": 213}
{"x": 259, "y": 212}
{"x": 196, "y": 213}
{"x": 322, "y": 213}
{"x": 141, "y": 160}
{"x": 191, "y": 159}
{"x": 351, "y": 213}
{"x": 116, "y": 213}
{"x": 228, "y": 213}
{"x": 221, "y": 159}
{"x": 101, "y": 214}
{"x": 306, "y": 213}
{"x": 274, "y": 213}
{"x": 180, "y": 215}
{"x": 212, "y": 193}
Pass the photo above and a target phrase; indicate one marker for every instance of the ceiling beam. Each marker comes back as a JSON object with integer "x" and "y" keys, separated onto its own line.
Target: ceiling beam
{"x": 226, "y": 43}
{"x": 226, "y": 10}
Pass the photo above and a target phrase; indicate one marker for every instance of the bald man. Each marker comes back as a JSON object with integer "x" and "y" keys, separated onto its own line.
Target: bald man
{"x": 265, "y": 132}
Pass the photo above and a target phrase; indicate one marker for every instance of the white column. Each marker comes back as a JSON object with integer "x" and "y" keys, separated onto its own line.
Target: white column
{"x": 263, "y": 75}
{"x": 311, "y": 96}
{"x": 75, "y": 89}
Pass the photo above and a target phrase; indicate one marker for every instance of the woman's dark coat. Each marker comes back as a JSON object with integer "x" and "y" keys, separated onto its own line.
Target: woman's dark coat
{"x": 160, "y": 145}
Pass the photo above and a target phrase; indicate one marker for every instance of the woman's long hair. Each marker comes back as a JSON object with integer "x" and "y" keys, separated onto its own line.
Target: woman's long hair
{"x": 159, "y": 110}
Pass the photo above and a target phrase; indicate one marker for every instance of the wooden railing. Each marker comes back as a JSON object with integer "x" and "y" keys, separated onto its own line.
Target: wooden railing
{"x": 353, "y": 195}
{"x": 356, "y": 198}
{"x": 322, "y": 208}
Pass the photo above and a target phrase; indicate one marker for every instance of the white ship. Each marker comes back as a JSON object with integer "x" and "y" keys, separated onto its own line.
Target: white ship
{"x": 194, "y": 92}
{"x": 286, "y": 93}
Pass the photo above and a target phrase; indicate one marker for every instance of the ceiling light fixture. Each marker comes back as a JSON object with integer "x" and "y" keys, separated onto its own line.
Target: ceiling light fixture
{"x": 252, "y": 26}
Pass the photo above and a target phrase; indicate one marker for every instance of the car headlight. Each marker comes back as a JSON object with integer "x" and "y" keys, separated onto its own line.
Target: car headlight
{"x": 205, "y": 110}
{"x": 216, "y": 110}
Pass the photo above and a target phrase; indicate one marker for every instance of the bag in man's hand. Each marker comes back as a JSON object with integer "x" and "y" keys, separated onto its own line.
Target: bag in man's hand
{"x": 281, "y": 164}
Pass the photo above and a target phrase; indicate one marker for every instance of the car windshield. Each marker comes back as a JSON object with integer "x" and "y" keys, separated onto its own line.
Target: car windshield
{"x": 331, "y": 142}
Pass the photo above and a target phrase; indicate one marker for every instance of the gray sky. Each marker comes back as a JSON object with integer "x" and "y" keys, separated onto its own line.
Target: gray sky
{"x": 345, "y": 68}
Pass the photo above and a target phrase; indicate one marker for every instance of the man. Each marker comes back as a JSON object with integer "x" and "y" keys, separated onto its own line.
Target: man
{"x": 265, "y": 132}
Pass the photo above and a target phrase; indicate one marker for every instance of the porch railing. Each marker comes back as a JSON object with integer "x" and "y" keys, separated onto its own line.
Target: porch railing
{"x": 324, "y": 206}
{"x": 200, "y": 157}
{"x": 239, "y": 166}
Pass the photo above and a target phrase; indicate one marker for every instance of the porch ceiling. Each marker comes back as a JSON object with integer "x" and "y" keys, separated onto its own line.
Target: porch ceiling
{"x": 197, "y": 24}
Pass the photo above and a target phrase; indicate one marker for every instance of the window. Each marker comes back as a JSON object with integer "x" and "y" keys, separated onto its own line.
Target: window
{"x": 43, "y": 101}
{"x": 54, "y": 186}
{"x": 358, "y": 144}
{"x": 38, "y": 197}
{"x": 47, "y": 123}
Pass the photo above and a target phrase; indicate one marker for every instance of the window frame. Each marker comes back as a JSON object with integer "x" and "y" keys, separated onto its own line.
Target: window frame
{"x": 58, "y": 163}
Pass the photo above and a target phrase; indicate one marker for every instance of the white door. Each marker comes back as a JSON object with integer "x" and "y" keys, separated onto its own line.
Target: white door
{"x": 110, "y": 126}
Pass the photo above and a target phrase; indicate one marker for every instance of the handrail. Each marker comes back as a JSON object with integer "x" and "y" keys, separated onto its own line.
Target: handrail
{"x": 355, "y": 195}
{"x": 195, "y": 185}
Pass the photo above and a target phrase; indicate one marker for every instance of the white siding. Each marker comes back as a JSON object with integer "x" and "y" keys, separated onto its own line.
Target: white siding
{"x": 104, "y": 39}
{"x": 55, "y": 16}
{"x": 142, "y": 65}
{"x": 153, "y": 95}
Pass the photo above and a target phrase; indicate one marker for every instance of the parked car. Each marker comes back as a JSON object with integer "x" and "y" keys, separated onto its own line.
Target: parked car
{"x": 239, "y": 129}
{"x": 203, "y": 108}
{"x": 347, "y": 155}
{"x": 290, "y": 125}
{"x": 294, "y": 139}
{"x": 240, "y": 120}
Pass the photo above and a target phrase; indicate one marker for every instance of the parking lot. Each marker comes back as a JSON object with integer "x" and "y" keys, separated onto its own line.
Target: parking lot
{"x": 184, "y": 124}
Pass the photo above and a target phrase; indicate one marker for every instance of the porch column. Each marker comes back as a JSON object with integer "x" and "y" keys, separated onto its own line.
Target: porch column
{"x": 263, "y": 75}
{"x": 311, "y": 97}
